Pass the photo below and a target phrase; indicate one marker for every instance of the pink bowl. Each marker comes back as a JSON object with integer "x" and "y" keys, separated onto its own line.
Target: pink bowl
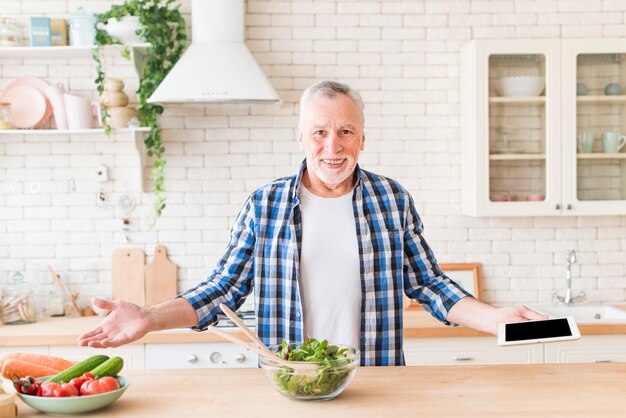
{"x": 536, "y": 197}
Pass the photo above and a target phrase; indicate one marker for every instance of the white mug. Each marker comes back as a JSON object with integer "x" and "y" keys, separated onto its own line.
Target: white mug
{"x": 80, "y": 112}
{"x": 612, "y": 142}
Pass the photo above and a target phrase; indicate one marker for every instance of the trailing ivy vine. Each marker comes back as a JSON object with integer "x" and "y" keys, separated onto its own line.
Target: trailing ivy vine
{"x": 163, "y": 27}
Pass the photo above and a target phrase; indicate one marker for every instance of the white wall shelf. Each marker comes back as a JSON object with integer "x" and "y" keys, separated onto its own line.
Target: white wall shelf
{"x": 97, "y": 131}
{"x": 518, "y": 100}
{"x": 60, "y": 51}
{"x": 502, "y": 157}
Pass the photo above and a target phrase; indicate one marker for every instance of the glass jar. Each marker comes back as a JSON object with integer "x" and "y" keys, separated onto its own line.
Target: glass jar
{"x": 82, "y": 28}
{"x": 5, "y": 115}
{"x": 10, "y": 34}
{"x": 18, "y": 302}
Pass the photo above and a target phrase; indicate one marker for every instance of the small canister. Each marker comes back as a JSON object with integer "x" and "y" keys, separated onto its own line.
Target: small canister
{"x": 18, "y": 302}
{"x": 82, "y": 28}
{"x": 10, "y": 33}
{"x": 5, "y": 115}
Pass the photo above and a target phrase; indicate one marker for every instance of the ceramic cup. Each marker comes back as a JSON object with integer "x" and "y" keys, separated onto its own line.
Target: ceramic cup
{"x": 584, "y": 142}
{"x": 80, "y": 112}
{"x": 55, "y": 93}
{"x": 612, "y": 142}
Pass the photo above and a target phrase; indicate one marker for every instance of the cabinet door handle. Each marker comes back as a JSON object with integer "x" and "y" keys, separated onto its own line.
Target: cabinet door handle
{"x": 604, "y": 361}
{"x": 569, "y": 206}
{"x": 457, "y": 358}
{"x": 558, "y": 206}
{"x": 192, "y": 358}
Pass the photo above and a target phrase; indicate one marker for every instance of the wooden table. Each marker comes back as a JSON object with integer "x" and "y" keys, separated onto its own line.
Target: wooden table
{"x": 555, "y": 390}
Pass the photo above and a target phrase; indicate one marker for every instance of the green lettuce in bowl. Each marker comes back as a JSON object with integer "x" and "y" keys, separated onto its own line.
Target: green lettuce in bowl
{"x": 336, "y": 365}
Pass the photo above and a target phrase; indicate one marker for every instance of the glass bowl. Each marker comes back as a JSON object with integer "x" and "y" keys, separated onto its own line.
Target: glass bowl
{"x": 302, "y": 382}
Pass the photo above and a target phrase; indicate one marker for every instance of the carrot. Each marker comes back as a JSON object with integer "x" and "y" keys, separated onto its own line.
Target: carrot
{"x": 42, "y": 359}
{"x": 13, "y": 369}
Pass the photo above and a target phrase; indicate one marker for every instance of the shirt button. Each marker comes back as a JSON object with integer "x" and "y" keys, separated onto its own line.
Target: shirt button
{"x": 297, "y": 314}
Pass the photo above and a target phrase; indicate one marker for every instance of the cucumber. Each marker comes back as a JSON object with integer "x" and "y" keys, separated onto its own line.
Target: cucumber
{"x": 78, "y": 369}
{"x": 111, "y": 367}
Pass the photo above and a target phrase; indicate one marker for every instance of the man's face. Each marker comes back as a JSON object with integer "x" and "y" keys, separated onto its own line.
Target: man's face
{"x": 331, "y": 135}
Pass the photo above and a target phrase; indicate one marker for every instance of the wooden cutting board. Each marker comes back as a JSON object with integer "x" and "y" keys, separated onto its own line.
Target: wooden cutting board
{"x": 128, "y": 275}
{"x": 161, "y": 277}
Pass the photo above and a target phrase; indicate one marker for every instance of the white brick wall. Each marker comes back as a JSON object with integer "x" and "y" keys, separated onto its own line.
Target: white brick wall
{"x": 403, "y": 55}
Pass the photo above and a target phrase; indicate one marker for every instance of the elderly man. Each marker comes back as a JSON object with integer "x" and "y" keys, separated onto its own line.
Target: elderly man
{"x": 328, "y": 252}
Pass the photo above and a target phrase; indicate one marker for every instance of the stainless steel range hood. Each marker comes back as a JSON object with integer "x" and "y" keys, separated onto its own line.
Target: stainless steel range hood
{"x": 217, "y": 67}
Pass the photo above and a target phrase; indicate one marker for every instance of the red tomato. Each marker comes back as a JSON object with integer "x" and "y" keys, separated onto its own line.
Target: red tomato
{"x": 47, "y": 388}
{"x": 95, "y": 386}
{"x": 59, "y": 392}
{"x": 70, "y": 389}
{"x": 88, "y": 376}
{"x": 77, "y": 382}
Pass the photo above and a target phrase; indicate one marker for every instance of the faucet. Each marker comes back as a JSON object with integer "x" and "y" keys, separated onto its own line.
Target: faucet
{"x": 568, "y": 299}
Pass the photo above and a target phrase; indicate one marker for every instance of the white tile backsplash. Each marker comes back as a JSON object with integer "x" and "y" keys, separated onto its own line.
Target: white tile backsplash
{"x": 402, "y": 55}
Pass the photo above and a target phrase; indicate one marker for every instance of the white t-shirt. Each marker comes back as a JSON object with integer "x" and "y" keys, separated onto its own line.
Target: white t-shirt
{"x": 330, "y": 280}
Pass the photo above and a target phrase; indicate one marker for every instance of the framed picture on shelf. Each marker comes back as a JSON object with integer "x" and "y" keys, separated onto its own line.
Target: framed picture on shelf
{"x": 467, "y": 275}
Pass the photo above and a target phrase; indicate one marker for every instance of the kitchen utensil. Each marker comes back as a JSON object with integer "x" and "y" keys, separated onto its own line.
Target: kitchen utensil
{"x": 160, "y": 277}
{"x": 252, "y": 335}
{"x": 82, "y": 28}
{"x": 520, "y": 85}
{"x": 41, "y": 86}
{"x": 326, "y": 382}
{"x": 75, "y": 404}
{"x": 128, "y": 275}
{"x": 70, "y": 296}
{"x": 55, "y": 93}
{"x": 584, "y": 142}
{"x": 28, "y": 106}
{"x": 80, "y": 112}
{"x": 612, "y": 142}
{"x": 613, "y": 89}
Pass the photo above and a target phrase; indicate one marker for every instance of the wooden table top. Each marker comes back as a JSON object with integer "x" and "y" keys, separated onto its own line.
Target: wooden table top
{"x": 550, "y": 390}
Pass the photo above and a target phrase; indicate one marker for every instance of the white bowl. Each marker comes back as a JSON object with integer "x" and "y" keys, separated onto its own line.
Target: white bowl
{"x": 520, "y": 85}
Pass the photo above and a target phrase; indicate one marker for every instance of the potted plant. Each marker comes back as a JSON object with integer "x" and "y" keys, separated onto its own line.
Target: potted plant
{"x": 163, "y": 28}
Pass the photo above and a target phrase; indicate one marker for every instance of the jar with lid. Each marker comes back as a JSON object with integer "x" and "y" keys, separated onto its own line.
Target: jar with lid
{"x": 10, "y": 33}
{"x": 5, "y": 115}
{"x": 18, "y": 303}
{"x": 82, "y": 28}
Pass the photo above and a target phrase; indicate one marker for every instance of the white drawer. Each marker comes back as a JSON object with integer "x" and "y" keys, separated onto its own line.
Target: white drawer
{"x": 468, "y": 350}
{"x": 198, "y": 356}
{"x": 589, "y": 349}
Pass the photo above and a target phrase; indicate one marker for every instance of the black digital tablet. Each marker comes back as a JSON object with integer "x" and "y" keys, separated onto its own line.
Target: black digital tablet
{"x": 538, "y": 331}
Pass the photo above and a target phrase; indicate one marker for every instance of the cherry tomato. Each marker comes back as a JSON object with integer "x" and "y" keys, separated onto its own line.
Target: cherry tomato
{"x": 88, "y": 376}
{"x": 102, "y": 385}
{"x": 70, "y": 389}
{"x": 77, "y": 382}
{"x": 47, "y": 388}
{"x": 60, "y": 392}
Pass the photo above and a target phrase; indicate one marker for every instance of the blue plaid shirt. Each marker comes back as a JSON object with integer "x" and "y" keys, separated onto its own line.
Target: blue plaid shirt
{"x": 264, "y": 255}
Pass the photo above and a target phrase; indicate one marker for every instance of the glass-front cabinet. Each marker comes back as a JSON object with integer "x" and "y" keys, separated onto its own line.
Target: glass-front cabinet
{"x": 543, "y": 124}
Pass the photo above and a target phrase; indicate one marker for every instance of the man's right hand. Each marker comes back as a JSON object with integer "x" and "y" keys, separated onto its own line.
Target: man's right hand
{"x": 126, "y": 323}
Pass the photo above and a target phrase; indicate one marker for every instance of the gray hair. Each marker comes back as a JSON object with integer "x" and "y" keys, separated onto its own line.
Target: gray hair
{"x": 330, "y": 88}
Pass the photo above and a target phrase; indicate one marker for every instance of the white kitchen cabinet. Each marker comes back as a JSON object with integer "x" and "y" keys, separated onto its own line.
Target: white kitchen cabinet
{"x": 132, "y": 354}
{"x": 198, "y": 356}
{"x": 519, "y": 153}
{"x": 468, "y": 350}
{"x": 589, "y": 349}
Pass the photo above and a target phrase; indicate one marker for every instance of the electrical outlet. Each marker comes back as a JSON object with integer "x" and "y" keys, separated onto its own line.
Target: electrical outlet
{"x": 101, "y": 173}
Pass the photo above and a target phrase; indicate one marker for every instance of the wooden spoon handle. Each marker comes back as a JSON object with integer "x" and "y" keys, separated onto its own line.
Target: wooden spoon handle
{"x": 228, "y": 336}
{"x": 231, "y": 315}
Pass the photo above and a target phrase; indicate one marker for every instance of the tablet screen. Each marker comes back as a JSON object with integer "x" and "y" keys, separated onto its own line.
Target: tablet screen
{"x": 532, "y": 330}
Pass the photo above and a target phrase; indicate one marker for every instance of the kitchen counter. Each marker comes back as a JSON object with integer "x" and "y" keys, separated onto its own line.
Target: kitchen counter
{"x": 556, "y": 390}
{"x": 65, "y": 331}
